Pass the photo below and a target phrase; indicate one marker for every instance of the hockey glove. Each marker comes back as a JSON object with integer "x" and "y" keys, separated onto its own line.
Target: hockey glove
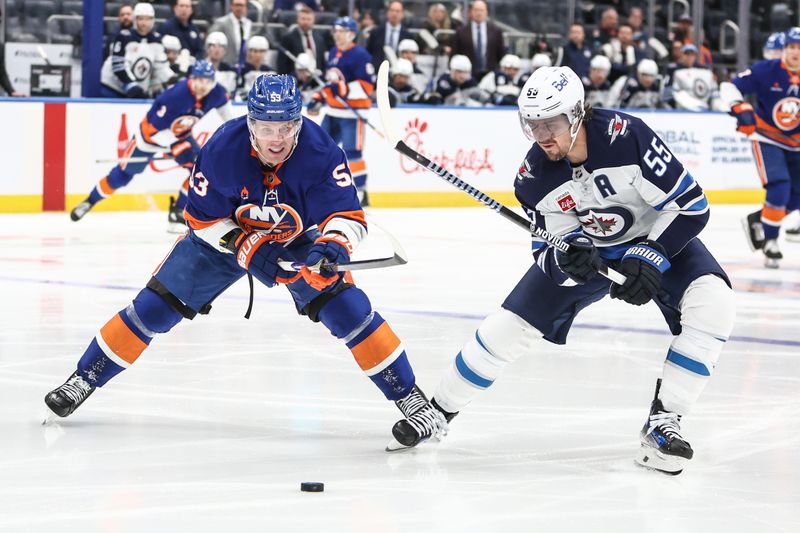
{"x": 315, "y": 105}
{"x": 134, "y": 90}
{"x": 338, "y": 89}
{"x": 185, "y": 151}
{"x": 327, "y": 252}
{"x": 259, "y": 256}
{"x": 745, "y": 118}
{"x": 643, "y": 265}
{"x": 582, "y": 259}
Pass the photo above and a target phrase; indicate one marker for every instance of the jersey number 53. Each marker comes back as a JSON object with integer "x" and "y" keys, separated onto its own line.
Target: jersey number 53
{"x": 657, "y": 158}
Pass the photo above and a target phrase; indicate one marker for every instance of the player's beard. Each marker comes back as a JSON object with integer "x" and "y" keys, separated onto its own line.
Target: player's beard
{"x": 554, "y": 152}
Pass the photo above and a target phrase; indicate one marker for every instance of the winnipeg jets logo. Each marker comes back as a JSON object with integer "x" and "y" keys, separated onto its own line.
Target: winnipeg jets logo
{"x": 617, "y": 127}
{"x": 524, "y": 170}
{"x": 606, "y": 223}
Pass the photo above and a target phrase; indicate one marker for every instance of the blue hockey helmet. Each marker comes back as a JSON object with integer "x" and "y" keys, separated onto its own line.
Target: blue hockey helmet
{"x": 346, "y": 23}
{"x": 775, "y": 41}
{"x": 274, "y": 98}
{"x": 202, "y": 69}
{"x": 792, "y": 35}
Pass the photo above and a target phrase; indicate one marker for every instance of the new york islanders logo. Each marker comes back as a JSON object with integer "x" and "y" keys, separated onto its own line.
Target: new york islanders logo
{"x": 279, "y": 222}
{"x": 786, "y": 113}
{"x": 183, "y": 125}
{"x": 606, "y": 223}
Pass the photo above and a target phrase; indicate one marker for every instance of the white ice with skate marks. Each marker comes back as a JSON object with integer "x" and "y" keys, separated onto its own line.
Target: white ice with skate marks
{"x": 218, "y": 422}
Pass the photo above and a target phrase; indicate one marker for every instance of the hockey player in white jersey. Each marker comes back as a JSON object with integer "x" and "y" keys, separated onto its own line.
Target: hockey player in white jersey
{"x": 502, "y": 86}
{"x": 608, "y": 185}
{"x": 692, "y": 86}
{"x": 137, "y": 65}
{"x": 597, "y": 87}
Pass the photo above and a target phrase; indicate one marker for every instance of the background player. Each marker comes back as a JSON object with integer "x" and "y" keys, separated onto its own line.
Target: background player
{"x": 167, "y": 127}
{"x": 266, "y": 186}
{"x": 607, "y": 184}
{"x": 350, "y": 77}
{"x": 774, "y": 129}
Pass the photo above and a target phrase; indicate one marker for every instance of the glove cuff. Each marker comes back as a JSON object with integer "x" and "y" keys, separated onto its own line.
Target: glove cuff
{"x": 248, "y": 247}
{"x": 650, "y": 252}
{"x": 339, "y": 239}
{"x": 742, "y": 107}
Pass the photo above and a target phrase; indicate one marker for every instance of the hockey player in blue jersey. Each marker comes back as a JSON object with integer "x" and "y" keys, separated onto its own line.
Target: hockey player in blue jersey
{"x": 608, "y": 185}
{"x": 167, "y": 127}
{"x": 351, "y": 77}
{"x": 267, "y": 186}
{"x": 774, "y": 130}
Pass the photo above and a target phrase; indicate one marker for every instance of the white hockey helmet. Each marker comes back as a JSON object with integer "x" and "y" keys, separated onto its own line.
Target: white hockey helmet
{"x": 171, "y": 42}
{"x": 304, "y": 61}
{"x": 217, "y": 37}
{"x": 511, "y": 61}
{"x": 143, "y": 9}
{"x": 408, "y": 45}
{"x": 257, "y": 42}
{"x": 600, "y": 62}
{"x": 549, "y": 93}
{"x": 541, "y": 60}
{"x": 403, "y": 67}
{"x": 647, "y": 67}
{"x": 461, "y": 63}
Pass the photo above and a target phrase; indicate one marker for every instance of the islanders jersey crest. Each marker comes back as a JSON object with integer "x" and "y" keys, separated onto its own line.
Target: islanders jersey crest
{"x": 786, "y": 113}
{"x": 279, "y": 222}
{"x": 183, "y": 125}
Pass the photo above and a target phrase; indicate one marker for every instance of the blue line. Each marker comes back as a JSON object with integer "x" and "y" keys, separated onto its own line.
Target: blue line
{"x": 416, "y": 312}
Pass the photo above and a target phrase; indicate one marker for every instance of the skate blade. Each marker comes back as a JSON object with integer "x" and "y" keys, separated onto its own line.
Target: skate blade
{"x": 652, "y": 459}
{"x": 395, "y": 446}
{"x": 793, "y": 237}
{"x": 48, "y": 416}
{"x": 772, "y": 263}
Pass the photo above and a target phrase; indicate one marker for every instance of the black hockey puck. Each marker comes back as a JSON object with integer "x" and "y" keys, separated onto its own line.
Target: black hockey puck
{"x": 312, "y": 486}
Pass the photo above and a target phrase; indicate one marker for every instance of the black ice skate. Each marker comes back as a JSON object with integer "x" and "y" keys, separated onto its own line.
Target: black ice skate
{"x": 80, "y": 210}
{"x": 754, "y": 230}
{"x": 663, "y": 448}
{"x": 423, "y": 420}
{"x": 177, "y": 224}
{"x": 772, "y": 254}
{"x": 65, "y": 399}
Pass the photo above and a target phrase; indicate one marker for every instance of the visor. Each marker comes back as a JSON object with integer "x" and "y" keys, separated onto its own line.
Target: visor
{"x": 544, "y": 129}
{"x": 266, "y": 131}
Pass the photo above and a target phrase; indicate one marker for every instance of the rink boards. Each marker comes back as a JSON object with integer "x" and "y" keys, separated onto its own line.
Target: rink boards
{"x": 54, "y": 152}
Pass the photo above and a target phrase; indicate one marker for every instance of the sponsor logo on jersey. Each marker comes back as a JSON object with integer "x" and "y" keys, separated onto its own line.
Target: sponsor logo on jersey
{"x": 786, "y": 113}
{"x": 617, "y": 127}
{"x": 183, "y": 125}
{"x": 606, "y": 223}
{"x": 565, "y": 202}
{"x": 279, "y": 222}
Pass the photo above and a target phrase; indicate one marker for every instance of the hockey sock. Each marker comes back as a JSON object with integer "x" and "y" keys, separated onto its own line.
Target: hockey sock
{"x": 771, "y": 218}
{"x": 123, "y": 338}
{"x": 375, "y": 347}
{"x": 501, "y": 339}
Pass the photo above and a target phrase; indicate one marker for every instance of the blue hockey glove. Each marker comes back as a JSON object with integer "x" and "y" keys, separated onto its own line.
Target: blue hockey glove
{"x": 338, "y": 88}
{"x": 328, "y": 251}
{"x": 314, "y": 106}
{"x": 582, "y": 259}
{"x": 643, "y": 265}
{"x": 134, "y": 90}
{"x": 745, "y": 118}
{"x": 185, "y": 151}
{"x": 259, "y": 256}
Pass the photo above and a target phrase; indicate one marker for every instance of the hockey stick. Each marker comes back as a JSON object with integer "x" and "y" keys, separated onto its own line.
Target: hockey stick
{"x": 132, "y": 159}
{"x": 488, "y": 201}
{"x": 321, "y": 83}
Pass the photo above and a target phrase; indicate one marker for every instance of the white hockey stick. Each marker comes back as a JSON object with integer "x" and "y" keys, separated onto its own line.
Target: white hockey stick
{"x": 132, "y": 159}
{"x": 395, "y": 140}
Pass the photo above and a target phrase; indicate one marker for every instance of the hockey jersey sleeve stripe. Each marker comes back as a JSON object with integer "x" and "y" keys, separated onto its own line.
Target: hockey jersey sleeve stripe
{"x": 197, "y": 224}
{"x": 148, "y": 130}
{"x": 686, "y": 182}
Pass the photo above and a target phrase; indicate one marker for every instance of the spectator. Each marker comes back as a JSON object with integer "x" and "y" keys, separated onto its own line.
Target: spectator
{"x": 125, "y": 19}
{"x": 454, "y": 86}
{"x": 640, "y": 90}
{"x": 692, "y": 86}
{"x": 439, "y": 19}
{"x": 607, "y": 30}
{"x": 302, "y": 38}
{"x": 172, "y": 48}
{"x": 409, "y": 49}
{"x": 181, "y": 26}
{"x": 502, "y": 86}
{"x": 366, "y": 25}
{"x": 236, "y": 27}
{"x": 216, "y": 47}
{"x": 576, "y": 53}
{"x": 685, "y": 32}
{"x": 480, "y": 40}
{"x": 597, "y": 88}
{"x": 641, "y": 38}
{"x": 622, "y": 52}
{"x": 307, "y": 76}
{"x": 389, "y": 34}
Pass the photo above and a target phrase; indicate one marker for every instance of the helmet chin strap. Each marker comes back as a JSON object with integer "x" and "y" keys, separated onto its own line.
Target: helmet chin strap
{"x": 574, "y": 135}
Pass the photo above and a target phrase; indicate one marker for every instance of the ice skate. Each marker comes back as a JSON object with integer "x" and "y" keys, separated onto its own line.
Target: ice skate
{"x": 423, "y": 420}
{"x": 663, "y": 448}
{"x": 772, "y": 254}
{"x": 754, "y": 230}
{"x": 63, "y": 400}
{"x": 176, "y": 222}
{"x": 793, "y": 234}
{"x": 80, "y": 210}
